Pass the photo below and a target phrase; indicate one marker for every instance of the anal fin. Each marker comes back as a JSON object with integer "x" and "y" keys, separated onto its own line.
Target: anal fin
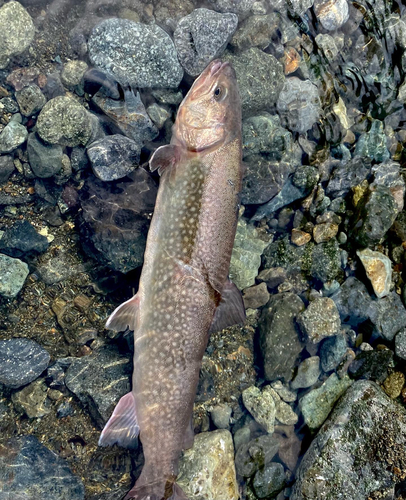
{"x": 124, "y": 316}
{"x": 122, "y": 427}
{"x": 231, "y": 310}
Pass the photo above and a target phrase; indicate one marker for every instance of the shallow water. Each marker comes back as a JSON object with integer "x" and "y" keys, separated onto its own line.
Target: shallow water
{"x": 323, "y": 97}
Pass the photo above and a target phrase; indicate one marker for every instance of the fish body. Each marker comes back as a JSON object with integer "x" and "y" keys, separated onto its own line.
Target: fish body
{"x": 184, "y": 290}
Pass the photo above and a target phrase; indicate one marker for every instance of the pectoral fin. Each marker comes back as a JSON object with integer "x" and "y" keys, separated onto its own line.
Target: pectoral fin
{"x": 164, "y": 157}
{"x": 231, "y": 309}
{"x": 122, "y": 427}
{"x": 124, "y": 316}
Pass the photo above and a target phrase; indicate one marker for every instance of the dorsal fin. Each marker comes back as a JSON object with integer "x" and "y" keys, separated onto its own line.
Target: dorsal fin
{"x": 124, "y": 316}
{"x": 164, "y": 157}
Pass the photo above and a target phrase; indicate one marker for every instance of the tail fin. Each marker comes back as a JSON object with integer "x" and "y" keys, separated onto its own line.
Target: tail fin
{"x": 161, "y": 491}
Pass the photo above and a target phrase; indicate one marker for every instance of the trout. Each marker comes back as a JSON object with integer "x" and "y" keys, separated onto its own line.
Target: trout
{"x": 184, "y": 291}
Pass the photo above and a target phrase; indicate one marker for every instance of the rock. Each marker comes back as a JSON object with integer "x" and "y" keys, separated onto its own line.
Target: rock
{"x": 269, "y": 481}
{"x": 372, "y": 144}
{"x": 13, "y": 135}
{"x": 220, "y": 415}
{"x": 72, "y": 75}
{"x": 352, "y": 301}
{"x": 207, "y": 469}
{"x": 30, "y": 100}
{"x": 283, "y": 392}
{"x": 6, "y": 168}
{"x": 307, "y": 374}
{"x": 9, "y": 105}
{"x": 331, "y": 14}
{"x": 348, "y": 174}
{"x": 260, "y": 79}
{"x": 329, "y": 48}
{"x": 354, "y": 460}
{"x": 388, "y": 174}
{"x": 99, "y": 381}
{"x": 299, "y": 7}
{"x": 318, "y": 403}
{"x": 13, "y": 275}
{"x": 21, "y": 362}
{"x": 64, "y": 121}
{"x": 256, "y": 296}
{"x": 379, "y": 270}
{"x": 116, "y": 219}
{"x": 289, "y": 445}
{"x": 113, "y": 157}
{"x": 246, "y": 255}
{"x": 332, "y": 352}
{"x": 326, "y": 261}
{"x": 167, "y": 96}
{"x": 241, "y": 437}
{"x": 372, "y": 365}
{"x": 256, "y": 31}
{"x": 45, "y": 159}
{"x": 255, "y": 454}
{"x": 22, "y": 239}
{"x": 400, "y": 344}
{"x": 279, "y": 336}
{"x": 393, "y": 384}
{"x": 56, "y": 373}
{"x": 136, "y": 54}
{"x": 273, "y": 277}
{"x": 283, "y": 412}
{"x": 324, "y": 232}
{"x": 240, "y": 7}
{"x": 388, "y": 315}
{"x": 201, "y": 37}
{"x": 300, "y": 238}
{"x": 158, "y": 114}
{"x": 32, "y": 400}
{"x": 299, "y": 104}
{"x": 17, "y": 31}
{"x": 321, "y": 319}
{"x": 64, "y": 410}
{"x": 261, "y": 405}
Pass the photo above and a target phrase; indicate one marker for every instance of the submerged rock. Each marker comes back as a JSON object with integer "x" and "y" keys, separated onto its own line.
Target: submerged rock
{"x": 22, "y": 239}
{"x": 321, "y": 319}
{"x": 13, "y": 135}
{"x": 379, "y": 270}
{"x": 269, "y": 481}
{"x": 359, "y": 450}
{"x": 13, "y": 274}
{"x": 32, "y": 400}
{"x": 261, "y": 405}
{"x": 45, "y": 159}
{"x": 255, "y": 454}
{"x": 30, "y": 100}
{"x": 307, "y": 374}
{"x": 388, "y": 315}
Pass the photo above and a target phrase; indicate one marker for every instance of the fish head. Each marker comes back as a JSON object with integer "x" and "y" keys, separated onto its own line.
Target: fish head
{"x": 210, "y": 114}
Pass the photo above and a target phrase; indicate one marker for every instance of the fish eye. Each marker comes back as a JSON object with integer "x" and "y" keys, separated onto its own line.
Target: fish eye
{"x": 218, "y": 93}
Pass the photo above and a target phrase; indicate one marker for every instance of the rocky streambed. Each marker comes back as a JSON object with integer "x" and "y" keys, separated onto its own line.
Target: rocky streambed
{"x": 307, "y": 399}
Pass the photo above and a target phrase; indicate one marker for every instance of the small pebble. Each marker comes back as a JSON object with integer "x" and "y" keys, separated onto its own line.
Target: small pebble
{"x": 307, "y": 373}
{"x": 393, "y": 384}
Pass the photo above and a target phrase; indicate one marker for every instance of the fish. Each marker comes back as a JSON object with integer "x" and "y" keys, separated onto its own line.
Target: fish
{"x": 184, "y": 292}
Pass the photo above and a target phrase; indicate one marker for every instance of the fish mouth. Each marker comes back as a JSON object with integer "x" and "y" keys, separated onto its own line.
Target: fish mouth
{"x": 217, "y": 67}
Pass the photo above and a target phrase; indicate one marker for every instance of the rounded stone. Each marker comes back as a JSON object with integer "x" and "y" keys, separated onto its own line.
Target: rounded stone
{"x": 13, "y": 135}
{"x": 321, "y": 319}
{"x": 332, "y": 14}
{"x": 307, "y": 373}
{"x": 269, "y": 480}
{"x": 136, "y": 54}
{"x": 220, "y": 414}
{"x": 30, "y": 100}
{"x": 13, "y": 274}
{"x": 72, "y": 74}
{"x": 64, "y": 121}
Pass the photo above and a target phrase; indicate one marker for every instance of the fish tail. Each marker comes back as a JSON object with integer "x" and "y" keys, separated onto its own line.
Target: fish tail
{"x": 164, "y": 490}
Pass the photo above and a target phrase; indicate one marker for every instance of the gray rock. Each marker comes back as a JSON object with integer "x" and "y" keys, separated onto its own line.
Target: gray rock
{"x": 64, "y": 121}
{"x": 372, "y": 144}
{"x": 256, "y": 31}
{"x": 279, "y": 335}
{"x": 307, "y": 373}
{"x": 260, "y": 79}
{"x": 299, "y": 7}
{"x": 352, "y": 301}
{"x": 299, "y": 104}
{"x": 326, "y": 261}
{"x": 283, "y": 392}
{"x": 347, "y": 175}
{"x": 10, "y": 105}
{"x": 32, "y": 400}
{"x": 16, "y": 31}
{"x": 136, "y": 54}
{"x": 256, "y": 296}
{"x": 240, "y": 7}
{"x": 72, "y": 75}
{"x": 13, "y": 275}
{"x": 331, "y": 14}
{"x": 64, "y": 410}
{"x": 273, "y": 277}
{"x": 241, "y": 437}
{"x": 6, "y": 168}
{"x": 113, "y": 157}
{"x": 167, "y": 96}
{"x": 45, "y": 159}
{"x": 207, "y": 469}
{"x": 37, "y": 472}
{"x": 388, "y": 315}
{"x": 21, "y": 362}
{"x": 332, "y": 352}
{"x": 388, "y": 174}
{"x": 246, "y": 255}
{"x": 30, "y": 100}
{"x": 220, "y": 415}
{"x": 318, "y": 403}
{"x": 373, "y": 365}
{"x": 283, "y": 412}
{"x": 22, "y": 239}
{"x": 327, "y": 44}
{"x": 255, "y": 454}
{"x": 14, "y": 134}
{"x": 378, "y": 268}
{"x": 158, "y": 114}
{"x": 201, "y": 37}
{"x": 99, "y": 381}
{"x": 357, "y": 449}
{"x": 269, "y": 481}
{"x": 261, "y": 405}
{"x": 321, "y": 319}
{"x": 400, "y": 344}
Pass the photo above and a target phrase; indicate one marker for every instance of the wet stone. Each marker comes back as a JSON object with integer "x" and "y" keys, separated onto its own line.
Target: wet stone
{"x": 321, "y": 319}
{"x": 327, "y": 44}
{"x": 255, "y": 454}
{"x": 372, "y": 365}
{"x": 17, "y": 31}
{"x": 64, "y": 121}
{"x": 332, "y": 352}
{"x": 324, "y": 232}
{"x": 388, "y": 315}
{"x": 256, "y": 296}
{"x": 136, "y": 54}
{"x": 21, "y": 362}
{"x": 269, "y": 481}
{"x": 284, "y": 393}
{"x": 240, "y": 7}
{"x": 6, "y": 168}
{"x": 99, "y": 381}
{"x": 220, "y": 415}
{"x": 22, "y": 239}
{"x": 331, "y": 14}
{"x": 307, "y": 373}
{"x": 64, "y": 410}
{"x": 379, "y": 270}
{"x": 400, "y": 344}
{"x": 279, "y": 335}
{"x": 13, "y": 274}
{"x": 32, "y": 400}
{"x": 370, "y": 428}
{"x": 72, "y": 75}
{"x": 9, "y": 105}
{"x": 210, "y": 32}
{"x": 273, "y": 276}
{"x": 30, "y": 100}
{"x": 372, "y": 144}
{"x": 207, "y": 469}
{"x": 393, "y": 384}
{"x": 13, "y": 135}
{"x": 283, "y": 412}
{"x": 261, "y": 405}
{"x": 388, "y": 174}
{"x": 318, "y": 403}
{"x": 352, "y": 301}
{"x": 158, "y": 114}
{"x": 256, "y": 31}
{"x": 260, "y": 78}
{"x": 37, "y": 470}
{"x": 45, "y": 159}
{"x": 300, "y": 238}
{"x": 113, "y": 157}
{"x": 326, "y": 261}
